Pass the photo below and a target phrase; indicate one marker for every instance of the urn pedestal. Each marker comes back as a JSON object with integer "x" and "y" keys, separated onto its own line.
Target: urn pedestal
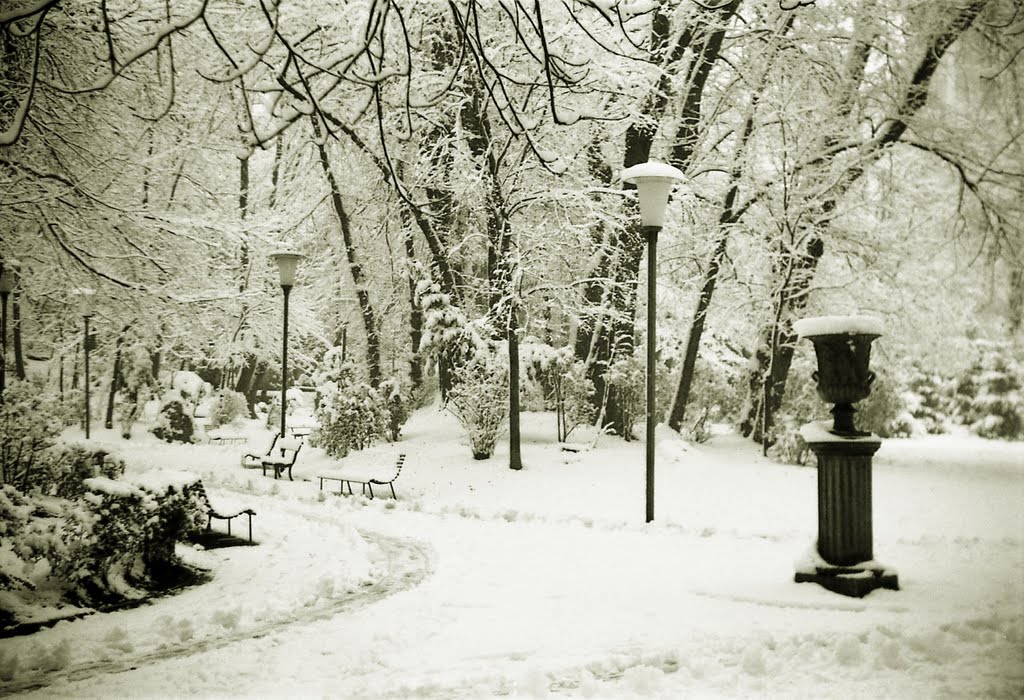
{"x": 843, "y": 560}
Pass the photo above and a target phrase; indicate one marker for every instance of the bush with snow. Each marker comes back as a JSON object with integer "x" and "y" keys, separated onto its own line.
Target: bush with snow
{"x": 564, "y": 383}
{"x": 100, "y": 547}
{"x": 66, "y": 467}
{"x": 137, "y": 384}
{"x": 479, "y": 400}
{"x": 351, "y": 415}
{"x": 174, "y": 423}
{"x": 398, "y": 403}
{"x": 227, "y": 406}
{"x": 627, "y": 376}
{"x": 990, "y": 395}
{"x": 30, "y": 422}
{"x": 928, "y": 396}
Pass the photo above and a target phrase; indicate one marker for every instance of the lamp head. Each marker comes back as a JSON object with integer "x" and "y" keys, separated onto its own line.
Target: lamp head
{"x": 653, "y": 182}
{"x": 85, "y": 299}
{"x": 287, "y": 260}
{"x": 8, "y": 277}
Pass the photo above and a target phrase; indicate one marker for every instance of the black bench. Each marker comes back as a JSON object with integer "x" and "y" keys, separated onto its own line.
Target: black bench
{"x": 366, "y": 478}
{"x": 222, "y": 513}
{"x": 282, "y": 456}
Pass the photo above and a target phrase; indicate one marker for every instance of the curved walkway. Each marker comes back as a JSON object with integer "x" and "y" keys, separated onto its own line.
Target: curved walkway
{"x": 399, "y": 564}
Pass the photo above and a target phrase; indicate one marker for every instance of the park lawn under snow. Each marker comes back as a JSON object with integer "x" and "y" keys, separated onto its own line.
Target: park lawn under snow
{"x": 480, "y": 581}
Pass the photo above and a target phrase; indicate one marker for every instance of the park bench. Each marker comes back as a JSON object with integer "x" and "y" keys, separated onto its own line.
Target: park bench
{"x": 227, "y": 439}
{"x": 254, "y": 460}
{"x": 223, "y": 512}
{"x": 366, "y": 478}
{"x": 282, "y": 456}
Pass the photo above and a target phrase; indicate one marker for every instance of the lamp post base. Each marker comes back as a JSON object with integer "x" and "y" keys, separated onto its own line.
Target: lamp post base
{"x": 853, "y": 581}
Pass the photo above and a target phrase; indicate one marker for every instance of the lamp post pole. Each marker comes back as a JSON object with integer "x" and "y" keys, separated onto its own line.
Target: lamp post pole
{"x": 652, "y": 272}
{"x": 653, "y": 183}
{"x": 287, "y": 261}
{"x": 85, "y": 297}
{"x": 284, "y": 359}
{"x": 85, "y": 346}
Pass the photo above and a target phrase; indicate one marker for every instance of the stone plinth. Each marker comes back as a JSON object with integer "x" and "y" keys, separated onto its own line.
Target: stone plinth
{"x": 845, "y": 551}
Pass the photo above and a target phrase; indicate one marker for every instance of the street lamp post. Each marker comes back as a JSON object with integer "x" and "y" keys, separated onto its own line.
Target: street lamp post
{"x": 85, "y": 297}
{"x": 8, "y": 278}
{"x": 287, "y": 261}
{"x": 653, "y": 183}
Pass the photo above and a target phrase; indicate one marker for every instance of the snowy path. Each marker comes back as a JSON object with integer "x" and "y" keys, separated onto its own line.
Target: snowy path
{"x": 644, "y": 612}
{"x": 545, "y": 583}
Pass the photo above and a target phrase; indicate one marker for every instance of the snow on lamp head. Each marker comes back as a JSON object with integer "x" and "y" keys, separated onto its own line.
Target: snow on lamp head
{"x": 85, "y": 297}
{"x": 287, "y": 260}
{"x": 653, "y": 182}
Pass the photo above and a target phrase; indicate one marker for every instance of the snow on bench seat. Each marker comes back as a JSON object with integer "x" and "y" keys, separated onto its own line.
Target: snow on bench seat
{"x": 367, "y": 476}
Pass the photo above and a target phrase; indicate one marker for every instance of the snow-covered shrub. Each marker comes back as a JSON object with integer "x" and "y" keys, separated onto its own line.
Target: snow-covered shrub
{"x": 272, "y": 417}
{"x": 929, "y": 399}
{"x": 174, "y": 423}
{"x": 351, "y": 415}
{"x": 479, "y": 399}
{"x": 181, "y": 511}
{"x": 15, "y": 511}
{"x": 122, "y": 536}
{"x": 566, "y": 388}
{"x": 30, "y": 422}
{"x": 137, "y": 381}
{"x": 628, "y": 377}
{"x": 227, "y": 406}
{"x": 448, "y": 334}
{"x": 62, "y": 469}
{"x": 714, "y": 398}
{"x": 990, "y": 395}
{"x": 399, "y": 406}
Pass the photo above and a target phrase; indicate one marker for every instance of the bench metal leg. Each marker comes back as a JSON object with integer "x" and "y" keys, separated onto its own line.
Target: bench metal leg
{"x": 393, "y": 491}
{"x": 250, "y": 526}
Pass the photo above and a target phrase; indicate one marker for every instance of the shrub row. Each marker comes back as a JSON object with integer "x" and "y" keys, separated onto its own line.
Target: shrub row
{"x": 102, "y": 546}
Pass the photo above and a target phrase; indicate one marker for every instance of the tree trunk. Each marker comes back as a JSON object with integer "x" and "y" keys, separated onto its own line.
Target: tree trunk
{"x": 415, "y": 321}
{"x": 359, "y": 282}
{"x": 115, "y": 378}
{"x": 693, "y": 53}
{"x": 685, "y": 137}
{"x": 19, "y": 355}
{"x": 501, "y": 285}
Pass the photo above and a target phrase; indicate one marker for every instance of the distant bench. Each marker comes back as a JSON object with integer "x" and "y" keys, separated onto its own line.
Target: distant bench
{"x": 366, "y": 477}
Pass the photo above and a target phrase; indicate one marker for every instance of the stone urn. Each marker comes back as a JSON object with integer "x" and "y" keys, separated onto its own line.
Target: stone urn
{"x": 843, "y": 558}
{"x": 842, "y": 345}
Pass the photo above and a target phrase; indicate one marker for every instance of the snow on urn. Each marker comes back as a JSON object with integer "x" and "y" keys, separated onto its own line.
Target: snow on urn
{"x": 842, "y": 345}
{"x": 843, "y": 560}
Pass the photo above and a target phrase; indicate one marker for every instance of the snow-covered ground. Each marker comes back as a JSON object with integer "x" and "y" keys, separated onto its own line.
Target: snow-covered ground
{"x": 480, "y": 581}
